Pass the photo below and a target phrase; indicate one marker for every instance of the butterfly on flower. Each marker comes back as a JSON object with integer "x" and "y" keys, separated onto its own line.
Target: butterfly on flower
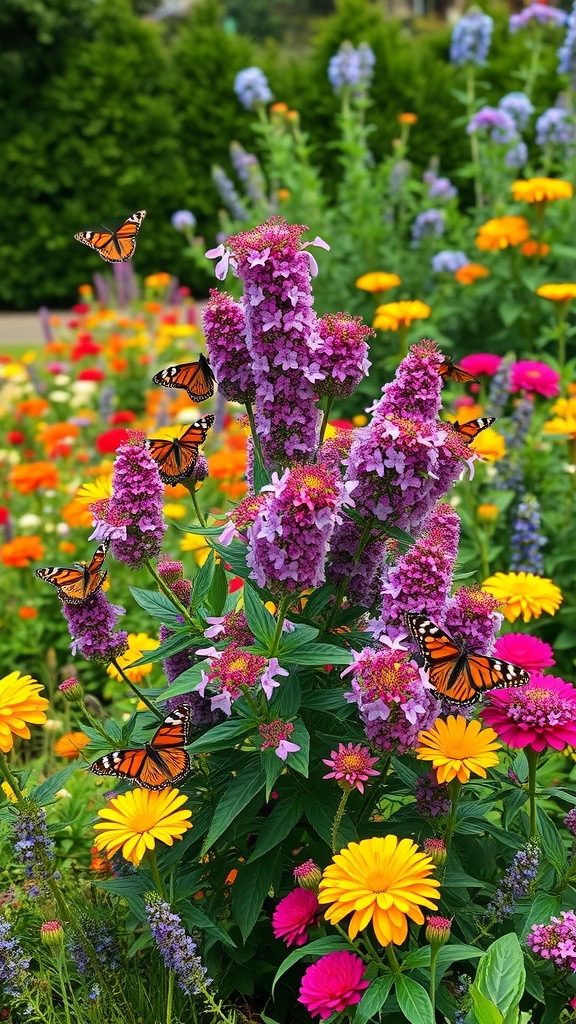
{"x": 161, "y": 762}
{"x": 468, "y": 431}
{"x": 114, "y": 246}
{"x": 455, "y": 671}
{"x": 452, "y": 371}
{"x": 76, "y": 585}
{"x": 197, "y": 379}
{"x": 176, "y": 457}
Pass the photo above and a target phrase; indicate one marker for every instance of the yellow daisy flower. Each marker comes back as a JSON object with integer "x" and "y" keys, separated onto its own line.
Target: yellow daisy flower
{"x": 134, "y": 821}
{"x": 383, "y": 880}
{"x": 138, "y": 643}
{"x": 99, "y": 490}
{"x": 523, "y": 593}
{"x": 557, "y": 292}
{"x": 457, "y": 748}
{"x": 564, "y": 422}
{"x": 541, "y": 190}
{"x": 392, "y": 316}
{"x": 174, "y": 510}
{"x": 196, "y": 543}
{"x": 378, "y": 281}
{"x": 19, "y": 703}
{"x": 490, "y": 448}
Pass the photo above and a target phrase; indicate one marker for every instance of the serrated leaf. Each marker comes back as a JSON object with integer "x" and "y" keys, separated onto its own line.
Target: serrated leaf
{"x": 278, "y": 824}
{"x": 249, "y": 781}
{"x": 373, "y": 999}
{"x": 157, "y": 605}
{"x": 413, "y": 1001}
{"x": 330, "y": 944}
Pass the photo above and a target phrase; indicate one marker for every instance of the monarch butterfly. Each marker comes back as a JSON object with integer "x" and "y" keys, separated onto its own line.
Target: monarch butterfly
{"x": 195, "y": 378}
{"x": 161, "y": 762}
{"x": 468, "y": 431}
{"x": 451, "y": 370}
{"x": 114, "y": 246}
{"x": 76, "y": 585}
{"x": 176, "y": 457}
{"x": 454, "y": 670}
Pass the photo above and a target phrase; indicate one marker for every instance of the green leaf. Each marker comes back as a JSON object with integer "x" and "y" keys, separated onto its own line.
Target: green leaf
{"x": 321, "y": 815}
{"x": 182, "y": 639}
{"x": 447, "y": 955}
{"x": 324, "y": 700}
{"x": 501, "y": 974}
{"x": 510, "y": 310}
{"x": 278, "y": 824}
{"x": 260, "y": 621}
{"x": 373, "y": 999}
{"x": 249, "y": 781}
{"x": 251, "y": 889}
{"x": 413, "y": 1000}
{"x": 45, "y": 793}
{"x": 221, "y": 736}
{"x": 216, "y": 598}
{"x": 157, "y": 605}
{"x": 484, "y": 1010}
{"x": 300, "y": 759}
{"x": 186, "y": 681}
{"x": 300, "y": 636}
{"x": 196, "y": 918}
{"x": 202, "y": 531}
{"x": 272, "y": 766}
{"x": 330, "y": 944}
{"x": 316, "y": 654}
{"x": 543, "y": 908}
{"x": 552, "y": 845}
{"x": 235, "y": 557}
{"x": 203, "y": 582}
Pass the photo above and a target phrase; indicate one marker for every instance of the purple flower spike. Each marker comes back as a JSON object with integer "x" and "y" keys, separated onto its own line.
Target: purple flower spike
{"x": 225, "y": 330}
{"x": 473, "y": 618}
{"x": 92, "y": 626}
{"x": 137, "y": 497}
{"x": 341, "y": 349}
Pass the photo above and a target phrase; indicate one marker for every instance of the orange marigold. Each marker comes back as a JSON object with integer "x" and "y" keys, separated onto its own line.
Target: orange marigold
{"x": 70, "y": 744}
{"x": 502, "y": 232}
{"x": 471, "y": 272}
{"x": 407, "y": 118}
{"x": 32, "y": 407}
{"x": 21, "y": 551}
{"x": 542, "y": 190}
{"x": 54, "y": 432}
{"x": 534, "y": 248}
{"x": 33, "y": 476}
{"x": 557, "y": 292}
{"x": 378, "y": 281}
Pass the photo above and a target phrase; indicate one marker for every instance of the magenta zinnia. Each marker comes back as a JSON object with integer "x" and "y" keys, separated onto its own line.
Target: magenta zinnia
{"x": 294, "y": 915}
{"x": 529, "y": 652}
{"x": 332, "y": 984}
{"x": 539, "y": 715}
{"x": 351, "y": 766}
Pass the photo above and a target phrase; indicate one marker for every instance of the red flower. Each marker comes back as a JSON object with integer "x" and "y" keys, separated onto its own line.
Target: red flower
{"x": 169, "y": 318}
{"x": 85, "y": 348}
{"x": 93, "y": 374}
{"x": 4, "y": 515}
{"x": 15, "y": 437}
{"x": 108, "y": 442}
{"x": 80, "y": 307}
{"x": 294, "y": 914}
{"x": 122, "y": 416}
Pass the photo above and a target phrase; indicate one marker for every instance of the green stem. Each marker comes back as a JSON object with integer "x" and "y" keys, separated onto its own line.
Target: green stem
{"x": 197, "y": 508}
{"x": 135, "y": 690}
{"x": 214, "y": 1006}
{"x": 63, "y": 988}
{"x": 532, "y": 756}
{"x": 392, "y": 959}
{"x": 454, "y": 788}
{"x": 281, "y": 615}
{"x": 338, "y": 819}
{"x": 474, "y": 144}
{"x": 368, "y": 799}
{"x": 357, "y": 946}
{"x": 255, "y": 438}
{"x": 325, "y": 415}
{"x": 10, "y": 779}
{"x": 170, "y": 997}
{"x": 434, "y": 950}
{"x": 402, "y": 345}
{"x": 167, "y": 592}
{"x": 151, "y": 861}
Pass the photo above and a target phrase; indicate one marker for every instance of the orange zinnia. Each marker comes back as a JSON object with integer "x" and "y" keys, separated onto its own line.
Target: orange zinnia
{"x": 21, "y": 551}
{"x": 501, "y": 232}
{"x": 534, "y": 248}
{"x": 393, "y": 315}
{"x": 32, "y": 407}
{"x": 70, "y": 744}
{"x": 55, "y": 432}
{"x": 75, "y": 513}
{"x": 471, "y": 272}
{"x": 542, "y": 190}
{"x": 32, "y": 476}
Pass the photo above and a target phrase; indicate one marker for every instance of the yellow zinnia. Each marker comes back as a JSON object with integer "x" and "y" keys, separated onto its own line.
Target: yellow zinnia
{"x": 134, "y": 821}
{"x": 523, "y": 593}
{"x": 383, "y": 880}
{"x": 564, "y": 422}
{"x": 457, "y": 748}
{"x": 491, "y": 447}
{"x": 137, "y": 644}
{"x": 19, "y": 703}
{"x": 391, "y": 316}
{"x": 377, "y": 281}
{"x": 557, "y": 292}
{"x": 501, "y": 232}
{"x": 541, "y": 190}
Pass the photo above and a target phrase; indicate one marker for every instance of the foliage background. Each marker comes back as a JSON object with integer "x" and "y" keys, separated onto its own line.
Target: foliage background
{"x": 103, "y": 112}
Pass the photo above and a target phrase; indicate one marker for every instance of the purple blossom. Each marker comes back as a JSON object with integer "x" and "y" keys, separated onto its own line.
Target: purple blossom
{"x": 432, "y": 797}
{"x": 201, "y": 714}
{"x": 228, "y": 194}
{"x": 448, "y": 261}
{"x": 33, "y": 847}
{"x": 92, "y": 626}
{"x": 555, "y": 125}
{"x": 352, "y": 69}
{"x": 334, "y": 450}
{"x": 526, "y": 540}
{"x": 232, "y": 626}
{"x": 137, "y": 496}
{"x": 471, "y": 38}
{"x": 176, "y": 948}
{"x": 509, "y": 470}
{"x": 341, "y": 350}
{"x": 499, "y": 124}
{"x": 416, "y": 391}
{"x": 14, "y": 980}
{"x": 289, "y": 539}
{"x": 570, "y": 821}
{"x": 472, "y": 617}
{"x": 556, "y": 941}
{"x": 251, "y": 87}
{"x": 541, "y": 14}
{"x": 429, "y": 223}
{"x": 95, "y": 944}
{"x": 517, "y": 156}
{"x": 233, "y": 671}
{"x": 175, "y": 664}
{"x": 248, "y": 170}
{"x": 225, "y": 330}
{"x": 517, "y": 882}
{"x": 362, "y": 574}
{"x": 519, "y": 107}
{"x": 499, "y": 391}
{"x": 393, "y": 697}
{"x": 440, "y": 188}
{"x": 183, "y": 220}
{"x": 567, "y": 52}
{"x": 277, "y": 734}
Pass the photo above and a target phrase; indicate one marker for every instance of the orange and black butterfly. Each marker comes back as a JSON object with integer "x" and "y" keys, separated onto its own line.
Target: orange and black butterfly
{"x": 114, "y": 246}
{"x": 161, "y": 762}
{"x": 176, "y": 457}
{"x": 468, "y": 431}
{"x": 196, "y": 379}
{"x": 76, "y": 585}
{"x": 451, "y": 370}
{"x": 455, "y": 671}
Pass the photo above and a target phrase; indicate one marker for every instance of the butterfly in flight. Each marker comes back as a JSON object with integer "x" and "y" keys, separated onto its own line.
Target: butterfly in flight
{"x": 76, "y": 585}
{"x": 161, "y": 762}
{"x": 452, "y": 371}
{"x": 176, "y": 457}
{"x": 468, "y": 431}
{"x": 196, "y": 379}
{"x": 114, "y": 246}
{"x": 455, "y": 671}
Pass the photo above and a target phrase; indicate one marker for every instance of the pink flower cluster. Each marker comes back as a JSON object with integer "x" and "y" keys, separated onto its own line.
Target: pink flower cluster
{"x": 234, "y": 671}
{"x": 351, "y": 766}
{"x": 135, "y": 510}
{"x": 340, "y": 347}
{"x": 294, "y": 915}
{"x": 277, "y": 734}
{"x": 556, "y": 941}
{"x": 539, "y": 715}
{"x": 481, "y": 363}
{"x": 225, "y": 330}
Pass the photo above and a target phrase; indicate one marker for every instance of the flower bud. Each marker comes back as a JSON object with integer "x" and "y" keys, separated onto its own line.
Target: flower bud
{"x": 308, "y": 875}
{"x": 52, "y": 934}
{"x": 72, "y": 689}
{"x": 170, "y": 571}
{"x": 438, "y": 930}
{"x": 182, "y": 589}
{"x": 436, "y": 850}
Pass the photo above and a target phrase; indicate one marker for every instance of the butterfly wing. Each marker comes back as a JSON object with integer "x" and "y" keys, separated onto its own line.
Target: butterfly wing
{"x": 468, "y": 431}
{"x": 114, "y": 246}
{"x": 78, "y": 584}
{"x": 439, "y": 652}
{"x": 174, "y": 730}
{"x": 163, "y": 762}
{"x": 451, "y": 370}
{"x": 177, "y": 457}
{"x": 135, "y": 765}
{"x": 175, "y": 765}
{"x": 196, "y": 379}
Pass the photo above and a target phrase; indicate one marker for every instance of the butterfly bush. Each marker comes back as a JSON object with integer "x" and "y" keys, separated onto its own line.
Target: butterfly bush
{"x": 138, "y": 500}
{"x": 93, "y": 632}
{"x": 225, "y": 330}
{"x": 341, "y": 348}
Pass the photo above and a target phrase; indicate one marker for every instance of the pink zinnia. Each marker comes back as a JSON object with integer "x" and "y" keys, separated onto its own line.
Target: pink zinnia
{"x": 294, "y": 914}
{"x": 332, "y": 984}
{"x": 529, "y": 652}
{"x": 481, "y": 362}
{"x": 539, "y": 715}
{"x": 530, "y": 375}
{"x": 352, "y": 766}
